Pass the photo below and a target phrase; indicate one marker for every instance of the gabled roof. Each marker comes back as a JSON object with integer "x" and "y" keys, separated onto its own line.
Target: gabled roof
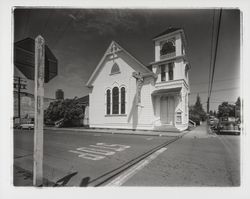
{"x": 145, "y": 70}
{"x": 169, "y": 30}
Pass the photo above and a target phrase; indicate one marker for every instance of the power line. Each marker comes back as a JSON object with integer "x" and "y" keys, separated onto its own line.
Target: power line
{"x": 215, "y": 53}
{"x": 211, "y": 52}
{"x": 215, "y": 91}
{"x": 214, "y": 61}
{"x": 220, "y": 80}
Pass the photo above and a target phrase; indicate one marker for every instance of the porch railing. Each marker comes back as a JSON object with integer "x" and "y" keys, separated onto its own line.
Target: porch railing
{"x": 192, "y": 122}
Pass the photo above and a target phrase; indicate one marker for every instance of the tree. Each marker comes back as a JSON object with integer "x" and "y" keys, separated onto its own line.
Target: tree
{"x": 238, "y": 108}
{"x": 226, "y": 110}
{"x": 211, "y": 113}
{"x": 70, "y": 111}
{"x": 238, "y": 103}
{"x": 196, "y": 112}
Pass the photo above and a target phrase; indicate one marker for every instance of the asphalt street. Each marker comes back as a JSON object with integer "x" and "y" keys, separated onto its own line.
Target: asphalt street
{"x": 80, "y": 159}
{"x": 74, "y": 158}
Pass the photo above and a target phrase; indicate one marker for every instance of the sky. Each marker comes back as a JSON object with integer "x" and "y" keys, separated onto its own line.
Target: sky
{"x": 79, "y": 37}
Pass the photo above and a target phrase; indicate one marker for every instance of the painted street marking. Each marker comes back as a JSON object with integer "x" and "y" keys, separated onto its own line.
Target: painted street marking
{"x": 115, "y": 147}
{"x": 149, "y": 138}
{"x": 99, "y": 151}
{"x": 88, "y": 155}
{"x": 133, "y": 170}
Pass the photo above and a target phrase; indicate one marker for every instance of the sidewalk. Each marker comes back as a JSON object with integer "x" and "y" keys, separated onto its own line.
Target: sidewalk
{"x": 119, "y": 131}
{"x": 22, "y": 177}
{"x": 202, "y": 131}
{"x": 198, "y": 159}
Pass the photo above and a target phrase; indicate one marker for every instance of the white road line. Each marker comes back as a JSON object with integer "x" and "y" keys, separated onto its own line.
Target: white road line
{"x": 133, "y": 170}
{"x": 88, "y": 155}
{"x": 113, "y": 145}
{"x": 101, "y": 149}
{"x": 119, "y": 148}
{"x": 97, "y": 151}
{"x": 149, "y": 138}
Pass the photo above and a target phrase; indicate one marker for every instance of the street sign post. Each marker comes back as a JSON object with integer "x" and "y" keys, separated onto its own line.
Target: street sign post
{"x": 24, "y": 59}
{"x": 38, "y": 129}
{"x": 36, "y": 61}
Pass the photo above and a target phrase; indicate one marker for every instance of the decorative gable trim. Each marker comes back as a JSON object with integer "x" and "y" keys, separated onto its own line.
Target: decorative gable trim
{"x": 114, "y": 48}
{"x": 179, "y": 111}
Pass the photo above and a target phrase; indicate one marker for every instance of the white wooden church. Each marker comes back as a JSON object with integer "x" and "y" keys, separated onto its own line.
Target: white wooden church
{"x": 125, "y": 94}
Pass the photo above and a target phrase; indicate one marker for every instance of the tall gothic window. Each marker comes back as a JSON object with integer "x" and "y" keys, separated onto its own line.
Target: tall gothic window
{"x": 108, "y": 102}
{"x": 115, "y": 69}
{"x": 123, "y": 100}
{"x": 115, "y": 100}
{"x": 170, "y": 71}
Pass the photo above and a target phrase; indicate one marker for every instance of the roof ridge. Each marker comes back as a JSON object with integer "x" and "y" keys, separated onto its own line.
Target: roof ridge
{"x": 170, "y": 29}
{"x": 104, "y": 56}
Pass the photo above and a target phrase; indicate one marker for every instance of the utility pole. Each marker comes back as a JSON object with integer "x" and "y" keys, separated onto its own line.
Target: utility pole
{"x": 19, "y": 97}
{"x": 39, "y": 94}
{"x": 208, "y": 101}
{"x": 19, "y": 83}
{"x": 214, "y": 60}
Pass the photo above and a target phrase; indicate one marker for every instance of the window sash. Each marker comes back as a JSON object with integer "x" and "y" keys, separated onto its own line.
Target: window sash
{"x": 123, "y": 100}
{"x": 108, "y": 103}
{"x": 163, "y": 73}
{"x": 115, "y": 101}
{"x": 170, "y": 71}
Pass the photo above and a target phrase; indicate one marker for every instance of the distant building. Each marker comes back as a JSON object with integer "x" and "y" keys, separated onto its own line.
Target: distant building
{"x": 27, "y": 104}
{"x": 127, "y": 94}
{"x": 59, "y": 94}
{"x": 27, "y": 99}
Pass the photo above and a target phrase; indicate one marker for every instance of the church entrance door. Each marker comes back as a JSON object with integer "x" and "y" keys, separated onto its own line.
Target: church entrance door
{"x": 167, "y": 110}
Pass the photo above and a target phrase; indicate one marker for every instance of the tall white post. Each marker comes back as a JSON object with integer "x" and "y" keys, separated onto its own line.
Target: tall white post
{"x": 39, "y": 94}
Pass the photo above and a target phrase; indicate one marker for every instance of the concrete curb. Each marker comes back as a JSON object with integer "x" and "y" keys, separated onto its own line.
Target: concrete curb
{"x": 122, "y": 132}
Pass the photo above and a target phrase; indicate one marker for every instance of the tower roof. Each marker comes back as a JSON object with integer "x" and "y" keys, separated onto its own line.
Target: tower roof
{"x": 167, "y": 31}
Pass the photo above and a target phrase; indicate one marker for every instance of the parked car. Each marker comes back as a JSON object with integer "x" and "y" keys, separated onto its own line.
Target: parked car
{"x": 27, "y": 125}
{"x": 228, "y": 126}
{"x": 213, "y": 122}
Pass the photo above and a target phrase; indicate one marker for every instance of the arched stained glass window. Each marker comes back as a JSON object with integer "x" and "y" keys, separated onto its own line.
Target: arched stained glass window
{"x": 115, "y": 69}
{"x": 123, "y": 100}
{"x": 108, "y": 102}
{"x": 115, "y": 100}
{"x": 167, "y": 48}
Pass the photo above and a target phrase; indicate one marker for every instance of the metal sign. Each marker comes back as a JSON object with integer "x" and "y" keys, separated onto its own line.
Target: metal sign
{"x": 24, "y": 59}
